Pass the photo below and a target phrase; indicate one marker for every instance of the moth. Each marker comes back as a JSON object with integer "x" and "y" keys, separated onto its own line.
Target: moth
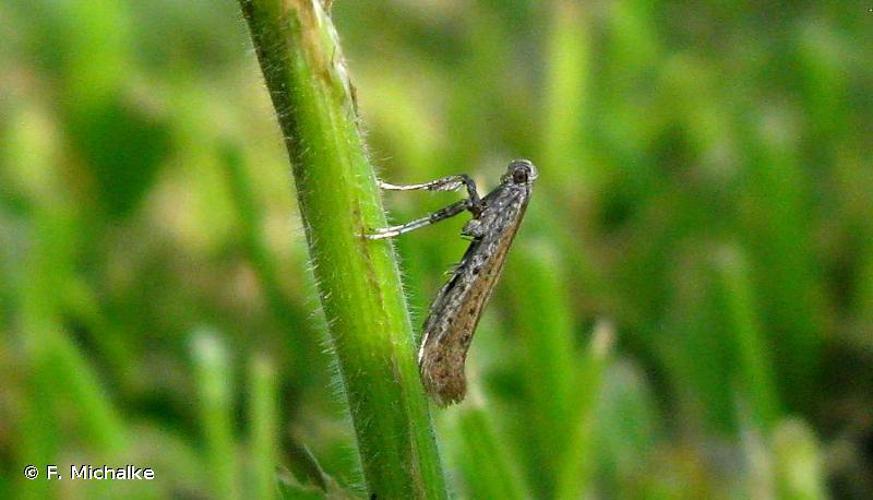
{"x": 455, "y": 313}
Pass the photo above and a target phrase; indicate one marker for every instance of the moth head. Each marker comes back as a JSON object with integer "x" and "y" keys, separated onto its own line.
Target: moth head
{"x": 520, "y": 172}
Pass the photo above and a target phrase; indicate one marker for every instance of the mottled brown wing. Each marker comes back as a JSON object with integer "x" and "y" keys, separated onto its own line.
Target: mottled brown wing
{"x": 457, "y": 309}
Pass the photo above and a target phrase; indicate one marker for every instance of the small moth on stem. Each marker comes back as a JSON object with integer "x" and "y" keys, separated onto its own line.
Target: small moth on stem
{"x": 454, "y": 314}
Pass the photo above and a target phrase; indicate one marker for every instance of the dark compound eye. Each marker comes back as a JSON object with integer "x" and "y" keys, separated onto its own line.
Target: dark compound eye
{"x": 520, "y": 174}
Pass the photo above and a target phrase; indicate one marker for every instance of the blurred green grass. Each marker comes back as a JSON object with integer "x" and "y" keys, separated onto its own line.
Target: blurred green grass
{"x": 705, "y": 185}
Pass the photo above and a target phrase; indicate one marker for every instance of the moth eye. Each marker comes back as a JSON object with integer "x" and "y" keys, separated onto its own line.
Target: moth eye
{"x": 520, "y": 175}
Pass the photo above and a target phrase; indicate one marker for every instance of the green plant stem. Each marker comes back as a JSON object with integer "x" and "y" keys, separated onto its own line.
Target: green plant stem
{"x": 358, "y": 280}
{"x": 288, "y": 314}
{"x": 65, "y": 387}
{"x": 540, "y": 311}
{"x": 216, "y": 400}
{"x": 754, "y": 368}
{"x": 567, "y": 105}
{"x": 485, "y": 463}
{"x": 577, "y": 467}
{"x": 264, "y": 427}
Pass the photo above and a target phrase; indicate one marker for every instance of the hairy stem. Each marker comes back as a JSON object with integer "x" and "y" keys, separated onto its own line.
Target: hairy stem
{"x": 359, "y": 282}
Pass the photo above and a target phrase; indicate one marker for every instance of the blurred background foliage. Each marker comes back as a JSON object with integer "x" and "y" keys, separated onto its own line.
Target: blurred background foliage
{"x": 705, "y": 189}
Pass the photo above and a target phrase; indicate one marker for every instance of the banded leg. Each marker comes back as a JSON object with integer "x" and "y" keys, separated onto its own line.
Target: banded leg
{"x": 441, "y": 214}
{"x": 450, "y": 183}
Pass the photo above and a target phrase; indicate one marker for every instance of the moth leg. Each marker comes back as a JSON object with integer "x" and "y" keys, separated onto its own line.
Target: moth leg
{"x": 473, "y": 229}
{"x": 441, "y": 214}
{"x": 450, "y": 183}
